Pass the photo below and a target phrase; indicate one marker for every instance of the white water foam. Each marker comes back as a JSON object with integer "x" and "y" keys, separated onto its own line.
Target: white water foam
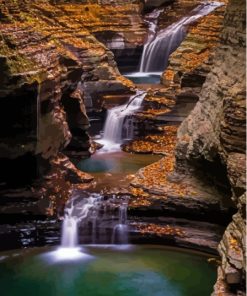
{"x": 117, "y": 128}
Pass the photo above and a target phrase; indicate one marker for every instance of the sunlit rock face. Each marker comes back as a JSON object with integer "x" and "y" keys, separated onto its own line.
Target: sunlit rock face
{"x": 216, "y": 129}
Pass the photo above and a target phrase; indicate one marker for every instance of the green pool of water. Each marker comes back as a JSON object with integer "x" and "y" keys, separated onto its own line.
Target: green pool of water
{"x": 140, "y": 271}
{"x": 110, "y": 170}
{"x": 116, "y": 162}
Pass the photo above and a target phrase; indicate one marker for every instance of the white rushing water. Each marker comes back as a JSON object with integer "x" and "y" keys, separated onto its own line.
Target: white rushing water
{"x": 120, "y": 231}
{"x": 157, "y": 51}
{"x": 92, "y": 214}
{"x": 88, "y": 213}
{"x": 69, "y": 232}
{"x": 117, "y": 128}
{"x": 78, "y": 213}
{"x": 74, "y": 214}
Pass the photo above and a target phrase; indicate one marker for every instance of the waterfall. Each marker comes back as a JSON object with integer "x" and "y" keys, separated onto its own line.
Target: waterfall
{"x": 69, "y": 232}
{"x": 120, "y": 231}
{"x": 156, "y": 52}
{"x": 78, "y": 213}
{"x": 90, "y": 214}
{"x": 116, "y": 126}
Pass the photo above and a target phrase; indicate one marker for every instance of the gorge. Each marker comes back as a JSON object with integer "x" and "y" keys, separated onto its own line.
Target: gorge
{"x": 122, "y": 151}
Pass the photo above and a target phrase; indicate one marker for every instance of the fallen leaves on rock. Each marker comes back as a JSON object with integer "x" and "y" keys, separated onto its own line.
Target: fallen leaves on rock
{"x": 160, "y": 230}
{"x": 234, "y": 245}
{"x": 160, "y": 144}
{"x": 152, "y": 183}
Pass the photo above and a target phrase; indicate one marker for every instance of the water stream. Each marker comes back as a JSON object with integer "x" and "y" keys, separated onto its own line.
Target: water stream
{"x": 102, "y": 219}
{"x": 160, "y": 44}
{"x": 89, "y": 214}
{"x": 119, "y": 123}
{"x": 120, "y": 231}
{"x": 156, "y": 53}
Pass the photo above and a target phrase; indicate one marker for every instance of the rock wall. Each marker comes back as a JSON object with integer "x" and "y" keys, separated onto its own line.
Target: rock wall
{"x": 215, "y": 130}
{"x": 190, "y": 63}
{"x": 51, "y": 67}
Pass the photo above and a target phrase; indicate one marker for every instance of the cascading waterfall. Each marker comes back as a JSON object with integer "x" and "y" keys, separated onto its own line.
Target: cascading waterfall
{"x": 152, "y": 20}
{"x": 116, "y": 120}
{"x": 89, "y": 213}
{"x": 157, "y": 51}
{"x": 76, "y": 213}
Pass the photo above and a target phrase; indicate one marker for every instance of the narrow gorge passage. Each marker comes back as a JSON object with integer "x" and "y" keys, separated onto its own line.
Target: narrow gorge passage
{"x": 123, "y": 156}
{"x": 120, "y": 124}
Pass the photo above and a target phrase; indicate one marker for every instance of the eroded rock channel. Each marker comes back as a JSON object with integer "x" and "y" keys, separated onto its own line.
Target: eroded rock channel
{"x": 132, "y": 114}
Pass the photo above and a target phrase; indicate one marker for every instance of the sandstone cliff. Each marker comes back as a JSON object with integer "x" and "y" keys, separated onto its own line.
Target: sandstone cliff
{"x": 215, "y": 130}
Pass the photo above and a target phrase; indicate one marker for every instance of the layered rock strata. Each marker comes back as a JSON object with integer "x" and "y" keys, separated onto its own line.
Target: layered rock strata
{"x": 190, "y": 63}
{"x": 51, "y": 66}
{"x": 214, "y": 132}
{"x": 155, "y": 184}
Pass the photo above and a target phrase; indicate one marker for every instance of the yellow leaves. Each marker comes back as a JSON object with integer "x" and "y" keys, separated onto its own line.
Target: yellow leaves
{"x": 163, "y": 143}
{"x": 138, "y": 192}
{"x": 128, "y": 83}
{"x": 234, "y": 245}
{"x": 160, "y": 100}
{"x": 153, "y": 184}
{"x": 160, "y": 230}
{"x": 169, "y": 75}
{"x": 97, "y": 17}
{"x": 139, "y": 198}
{"x": 155, "y": 111}
{"x": 138, "y": 202}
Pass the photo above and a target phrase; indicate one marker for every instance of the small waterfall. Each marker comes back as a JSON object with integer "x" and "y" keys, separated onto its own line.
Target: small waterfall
{"x": 113, "y": 135}
{"x": 90, "y": 214}
{"x": 156, "y": 52}
{"x": 69, "y": 232}
{"x": 120, "y": 231}
{"x": 79, "y": 213}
